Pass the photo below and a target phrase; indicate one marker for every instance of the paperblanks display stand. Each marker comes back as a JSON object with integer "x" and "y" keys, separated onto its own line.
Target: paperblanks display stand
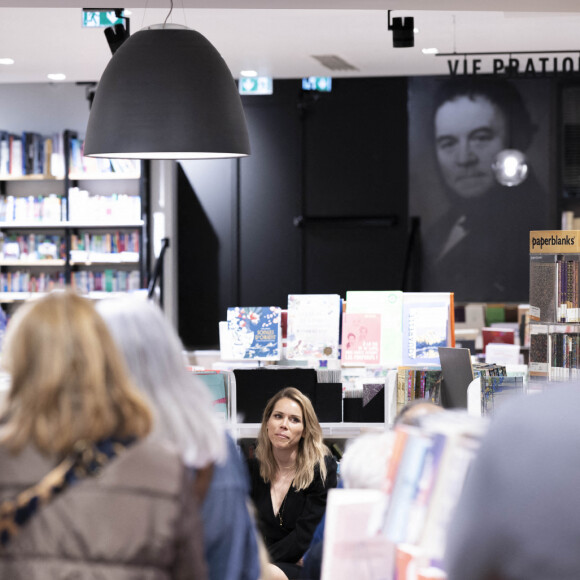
{"x": 554, "y": 305}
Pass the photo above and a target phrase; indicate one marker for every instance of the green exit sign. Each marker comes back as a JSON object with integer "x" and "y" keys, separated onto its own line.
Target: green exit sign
{"x": 321, "y": 84}
{"x": 100, "y": 18}
{"x": 256, "y": 86}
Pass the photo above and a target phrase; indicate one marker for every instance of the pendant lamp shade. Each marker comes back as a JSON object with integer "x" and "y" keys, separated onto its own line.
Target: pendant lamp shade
{"x": 167, "y": 94}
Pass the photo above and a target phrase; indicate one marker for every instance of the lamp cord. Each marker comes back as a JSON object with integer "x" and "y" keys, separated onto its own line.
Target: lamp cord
{"x": 144, "y": 12}
{"x": 454, "y": 36}
{"x": 184, "y": 16}
{"x": 169, "y": 14}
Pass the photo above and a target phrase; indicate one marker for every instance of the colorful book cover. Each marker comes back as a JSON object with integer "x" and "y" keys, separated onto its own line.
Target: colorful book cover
{"x": 361, "y": 338}
{"x": 399, "y": 443}
{"x": 426, "y": 326}
{"x": 313, "y": 326}
{"x": 499, "y": 335}
{"x": 389, "y": 304}
{"x": 433, "y": 378}
{"x": 215, "y": 381}
{"x": 254, "y": 332}
{"x": 406, "y": 486}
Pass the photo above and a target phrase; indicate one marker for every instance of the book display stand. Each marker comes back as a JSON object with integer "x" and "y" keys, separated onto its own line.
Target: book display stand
{"x": 359, "y": 360}
{"x": 554, "y": 305}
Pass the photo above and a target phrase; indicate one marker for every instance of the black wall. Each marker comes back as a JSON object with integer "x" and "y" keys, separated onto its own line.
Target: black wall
{"x": 320, "y": 205}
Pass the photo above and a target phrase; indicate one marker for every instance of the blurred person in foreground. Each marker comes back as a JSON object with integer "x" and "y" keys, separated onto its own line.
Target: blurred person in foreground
{"x": 183, "y": 412}
{"x": 364, "y": 466}
{"x": 83, "y": 492}
{"x": 290, "y": 478}
{"x": 413, "y": 412}
{"x": 518, "y": 517}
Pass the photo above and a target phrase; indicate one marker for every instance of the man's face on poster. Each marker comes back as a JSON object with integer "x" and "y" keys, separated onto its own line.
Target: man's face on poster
{"x": 469, "y": 132}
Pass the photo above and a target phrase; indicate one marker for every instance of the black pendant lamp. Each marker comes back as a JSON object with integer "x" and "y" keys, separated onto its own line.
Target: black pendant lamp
{"x": 167, "y": 94}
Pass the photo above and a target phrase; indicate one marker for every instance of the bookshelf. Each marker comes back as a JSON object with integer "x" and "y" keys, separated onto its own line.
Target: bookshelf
{"x": 331, "y": 429}
{"x": 74, "y": 221}
{"x": 554, "y": 305}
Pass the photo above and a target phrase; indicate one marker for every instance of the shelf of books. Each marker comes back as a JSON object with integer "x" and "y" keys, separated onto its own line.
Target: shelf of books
{"x": 66, "y": 219}
{"x": 554, "y": 305}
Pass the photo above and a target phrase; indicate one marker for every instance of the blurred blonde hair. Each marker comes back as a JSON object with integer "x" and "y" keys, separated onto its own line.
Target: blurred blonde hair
{"x": 68, "y": 381}
{"x": 311, "y": 449}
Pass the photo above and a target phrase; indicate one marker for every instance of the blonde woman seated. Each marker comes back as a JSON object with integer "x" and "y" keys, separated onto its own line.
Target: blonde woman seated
{"x": 290, "y": 478}
{"x": 73, "y": 414}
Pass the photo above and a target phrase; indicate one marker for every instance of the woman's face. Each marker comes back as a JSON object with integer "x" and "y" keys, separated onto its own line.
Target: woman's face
{"x": 286, "y": 424}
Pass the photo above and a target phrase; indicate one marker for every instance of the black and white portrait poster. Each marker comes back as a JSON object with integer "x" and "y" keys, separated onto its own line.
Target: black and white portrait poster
{"x": 475, "y": 231}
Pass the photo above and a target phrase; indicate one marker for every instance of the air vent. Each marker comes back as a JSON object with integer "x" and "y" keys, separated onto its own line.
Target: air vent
{"x": 333, "y": 62}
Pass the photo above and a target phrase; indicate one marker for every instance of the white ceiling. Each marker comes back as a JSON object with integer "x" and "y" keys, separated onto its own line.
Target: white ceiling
{"x": 278, "y": 37}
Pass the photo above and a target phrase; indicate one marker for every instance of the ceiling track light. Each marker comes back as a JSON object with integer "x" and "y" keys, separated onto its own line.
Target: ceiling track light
{"x": 403, "y": 31}
{"x": 118, "y": 34}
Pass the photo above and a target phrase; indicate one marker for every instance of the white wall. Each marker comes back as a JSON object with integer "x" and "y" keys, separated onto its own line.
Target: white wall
{"x": 43, "y": 108}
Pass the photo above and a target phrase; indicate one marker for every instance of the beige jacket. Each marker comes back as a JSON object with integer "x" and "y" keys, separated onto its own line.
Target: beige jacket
{"x": 136, "y": 521}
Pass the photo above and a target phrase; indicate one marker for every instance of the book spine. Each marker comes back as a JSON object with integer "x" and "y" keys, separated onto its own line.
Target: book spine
{"x": 410, "y": 385}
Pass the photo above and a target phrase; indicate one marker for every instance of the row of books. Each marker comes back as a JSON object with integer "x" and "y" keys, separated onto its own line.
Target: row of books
{"x": 33, "y": 209}
{"x": 375, "y": 327}
{"x": 30, "y": 153}
{"x": 121, "y": 246}
{"x": 32, "y": 247}
{"x": 418, "y": 383}
{"x": 429, "y": 383}
{"x": 90, "y": 208}
{"x": 83, "y": 207}
{"x": 106, "y": 281}
{"x": 564, "y": 352}
{"x": 385, "y": 533}
{"x": 20, "y": 281}
{"x": 568, "y": 299}
{"x": 93, "y": 165}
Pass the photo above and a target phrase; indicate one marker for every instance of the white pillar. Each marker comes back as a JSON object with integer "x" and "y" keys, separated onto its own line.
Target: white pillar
{"x": 163, "y": 183}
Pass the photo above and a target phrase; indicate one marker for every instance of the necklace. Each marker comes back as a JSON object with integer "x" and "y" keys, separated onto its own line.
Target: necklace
{"x": 286, "y": 480}
{"x": 281, "y": 510}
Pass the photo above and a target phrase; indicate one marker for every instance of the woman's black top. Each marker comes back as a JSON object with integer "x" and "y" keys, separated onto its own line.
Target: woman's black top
{"x": 301, "y": 512}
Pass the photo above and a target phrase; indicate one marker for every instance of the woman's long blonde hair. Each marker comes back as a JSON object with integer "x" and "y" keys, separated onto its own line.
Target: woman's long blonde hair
{"x": 311, "y": 449}
{"x": 68, "y": 381}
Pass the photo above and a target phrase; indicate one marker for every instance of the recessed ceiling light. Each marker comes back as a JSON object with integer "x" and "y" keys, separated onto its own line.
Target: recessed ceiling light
{"x": 248, "y": 73}
{"x": 416, "y": 30}
{"x": 56, "y": 76}
{"x": 430, "y": 51}
{"x": 6, "y": 61}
